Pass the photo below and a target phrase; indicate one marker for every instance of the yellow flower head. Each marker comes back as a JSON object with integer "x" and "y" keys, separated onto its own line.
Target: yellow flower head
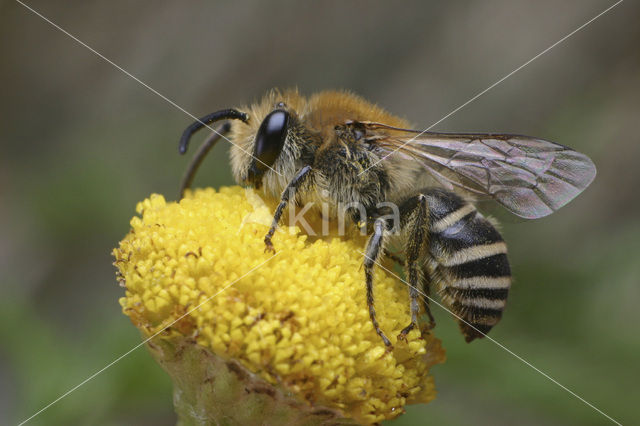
{"x": 299, "y": 319}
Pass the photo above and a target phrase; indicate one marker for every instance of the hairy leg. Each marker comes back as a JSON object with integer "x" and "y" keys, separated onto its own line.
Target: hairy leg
{"x": 374, "y": 246}
{"x": 287, "y": 194}
{"x": 417, "y": 224}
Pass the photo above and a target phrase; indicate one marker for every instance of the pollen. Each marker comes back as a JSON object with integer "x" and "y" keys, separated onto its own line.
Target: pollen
{"x": 299, "y": 319}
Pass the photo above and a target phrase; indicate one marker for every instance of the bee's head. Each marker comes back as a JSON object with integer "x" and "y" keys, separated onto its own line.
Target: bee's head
{"x": 258, "y": 136}
{"x": 268, "y": 144}
{"x": 263, "y": 154}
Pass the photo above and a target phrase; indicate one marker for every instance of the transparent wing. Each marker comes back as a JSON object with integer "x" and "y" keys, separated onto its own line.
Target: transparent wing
{"x": 530, "y": 177}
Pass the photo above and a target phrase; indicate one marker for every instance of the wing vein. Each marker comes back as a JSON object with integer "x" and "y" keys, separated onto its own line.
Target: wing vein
{"x": 530, "y": 177}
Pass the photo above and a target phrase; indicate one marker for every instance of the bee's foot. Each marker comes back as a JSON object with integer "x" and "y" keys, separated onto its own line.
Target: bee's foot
{"x": 269, "y": 247}
{"x": 403, "y": 334}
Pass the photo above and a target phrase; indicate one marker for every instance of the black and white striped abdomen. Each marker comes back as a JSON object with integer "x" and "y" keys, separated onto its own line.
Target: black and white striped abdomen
{"x": 468, "y": 262}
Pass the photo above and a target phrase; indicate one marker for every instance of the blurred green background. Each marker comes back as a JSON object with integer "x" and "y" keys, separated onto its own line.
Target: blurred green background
{"x": 82, "y": 143}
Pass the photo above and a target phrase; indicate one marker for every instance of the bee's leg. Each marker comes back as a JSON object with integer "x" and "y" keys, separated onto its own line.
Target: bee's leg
{"x": 426, "y": 287}
{"x": 418, "y": 231}
{"x": 289, "y": 191}
{"x": 204, "y": 149}
{"x": 374, "y": 246}
{"x": 394, "y": 257}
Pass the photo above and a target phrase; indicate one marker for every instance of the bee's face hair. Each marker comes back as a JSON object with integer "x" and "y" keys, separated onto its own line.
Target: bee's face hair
{"x": 261, "y": 139}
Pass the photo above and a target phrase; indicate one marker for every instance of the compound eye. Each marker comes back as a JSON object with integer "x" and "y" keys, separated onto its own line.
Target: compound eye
{"x": 270, "y": 138}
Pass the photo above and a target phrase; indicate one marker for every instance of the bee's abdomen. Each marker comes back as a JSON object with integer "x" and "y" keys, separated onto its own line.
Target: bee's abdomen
{"x": 469, "y": 263}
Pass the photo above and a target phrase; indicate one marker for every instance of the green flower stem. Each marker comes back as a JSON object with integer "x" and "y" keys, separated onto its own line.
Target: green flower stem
{"x": 209, "y": 390}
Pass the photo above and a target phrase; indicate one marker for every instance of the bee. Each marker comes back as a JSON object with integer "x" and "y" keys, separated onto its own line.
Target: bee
{"x": 338, "y": 148}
